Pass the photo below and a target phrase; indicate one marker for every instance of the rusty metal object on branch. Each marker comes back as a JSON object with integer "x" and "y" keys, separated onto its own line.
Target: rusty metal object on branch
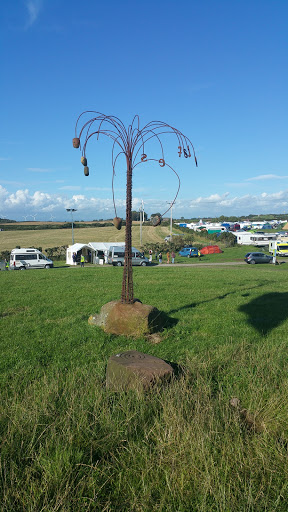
{"x": 156, "y": 221}
{"x": 76, "y": 142}
{"x": 117, "y": 221}
{"x": 83, "y": 160}
{"x": 86, "y": 171}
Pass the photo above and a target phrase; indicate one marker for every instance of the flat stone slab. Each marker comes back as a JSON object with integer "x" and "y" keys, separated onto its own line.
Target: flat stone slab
{"x": 135, "y": 319}
{"x": 136, "y": 370}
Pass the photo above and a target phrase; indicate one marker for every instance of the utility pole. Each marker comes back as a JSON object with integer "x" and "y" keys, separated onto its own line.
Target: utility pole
{"x": 171, "y": 217}
{"x": 72, "y": 210}
{"x": 141, "y": 211}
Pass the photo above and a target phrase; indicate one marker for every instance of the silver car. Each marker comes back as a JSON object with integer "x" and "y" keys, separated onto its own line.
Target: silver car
{"x": 117, "y": 254}
{"x": 258, "y": 257}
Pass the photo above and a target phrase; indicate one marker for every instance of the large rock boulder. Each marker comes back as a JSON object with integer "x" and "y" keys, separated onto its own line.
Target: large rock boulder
{"x": 135, "y": 370}
{"x": 134, "y": 319}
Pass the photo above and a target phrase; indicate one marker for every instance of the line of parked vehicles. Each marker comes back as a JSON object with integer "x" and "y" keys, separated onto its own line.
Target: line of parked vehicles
{"x": 25, "y": 258}
{"x": 28, "y": 258}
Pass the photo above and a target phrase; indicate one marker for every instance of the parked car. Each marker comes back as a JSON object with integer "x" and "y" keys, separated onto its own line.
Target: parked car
{"x": 258, "y": 257}
{"x": 189, "y": 252}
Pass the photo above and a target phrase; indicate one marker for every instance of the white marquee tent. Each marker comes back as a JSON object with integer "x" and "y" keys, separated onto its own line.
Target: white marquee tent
{"x": 94, "y": 252}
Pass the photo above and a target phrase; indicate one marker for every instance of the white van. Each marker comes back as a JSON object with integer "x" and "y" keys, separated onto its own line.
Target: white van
{"x": 29, "y": 258}
{"x": 116, "y": 257}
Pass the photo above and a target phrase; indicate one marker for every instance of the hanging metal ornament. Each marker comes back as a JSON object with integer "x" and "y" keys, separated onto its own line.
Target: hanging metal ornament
{"x": 83, "y": 160}
{"x": 86, "y": 171}
{"x": 156, "y": 221}
{"x": 76, "y": 142}
{"x": 117, "y": 221}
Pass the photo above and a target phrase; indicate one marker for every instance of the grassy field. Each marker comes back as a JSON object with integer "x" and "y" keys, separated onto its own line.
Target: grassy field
{"x": 68, "y": 444}
{"x": 56, "y": 237}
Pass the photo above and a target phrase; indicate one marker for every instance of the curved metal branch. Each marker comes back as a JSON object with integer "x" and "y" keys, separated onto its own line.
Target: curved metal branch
{"x": 118, "y": 125}
{"x": 102, "y": 133}
{"x": 154, "y": 135}
{"x": 170, "y": 167}
{"x": 113, "y": 175}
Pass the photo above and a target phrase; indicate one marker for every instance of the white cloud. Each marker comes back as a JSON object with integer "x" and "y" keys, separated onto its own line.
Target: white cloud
{"x": 70, "y": 187}
{"x": 19, "y": 198}
{"x": 3, "y": 193}
{"x": 40, "y": 198}
{"x": 38, "y": 169}
{"x": 41, "y": 203}
{"x": 13, "y": 183}
{"x": 267, "y": 177}
{"x": 213, "y": 198}
{"x": 103, "y": 189}
{"x": 33, "y": 8}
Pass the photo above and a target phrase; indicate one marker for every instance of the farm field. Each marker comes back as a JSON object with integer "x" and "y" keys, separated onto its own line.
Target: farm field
{"x": 68, "y": 444}
{"x": 56, "y": 237}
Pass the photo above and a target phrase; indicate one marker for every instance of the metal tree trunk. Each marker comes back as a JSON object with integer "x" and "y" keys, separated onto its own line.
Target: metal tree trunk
{"x": 127, "y": 283}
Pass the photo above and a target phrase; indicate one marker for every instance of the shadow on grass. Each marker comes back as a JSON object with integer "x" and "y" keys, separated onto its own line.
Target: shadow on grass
{"x": 161, "y": 320}
{"x": 178, "y": 369}
{"x": 192, "y": 305}
{"x": 267, "y": 311}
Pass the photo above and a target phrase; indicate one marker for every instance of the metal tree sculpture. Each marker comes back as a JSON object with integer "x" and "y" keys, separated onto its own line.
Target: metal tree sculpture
{"x": 131, "y": 143}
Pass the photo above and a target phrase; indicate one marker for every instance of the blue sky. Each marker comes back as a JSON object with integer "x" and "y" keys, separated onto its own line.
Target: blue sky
{"x": 216, "y": 70}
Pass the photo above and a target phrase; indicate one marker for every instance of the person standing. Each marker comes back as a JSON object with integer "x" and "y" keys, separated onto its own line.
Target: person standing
{"x": 173, "y": 256}
{"x": 6, "y": 264}
{"x": 160, "y": 257}
{"x": 168, "y": 256}
{"x": 150, "y": 256}
{"x": 82, "y": 260}
{"x": 74, "y": 257}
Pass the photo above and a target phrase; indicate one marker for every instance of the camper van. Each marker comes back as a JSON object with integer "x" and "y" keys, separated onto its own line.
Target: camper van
{"x": 28, "y": 258}
{"x": 116, "y": 257}
{"x": 280, "y": 246}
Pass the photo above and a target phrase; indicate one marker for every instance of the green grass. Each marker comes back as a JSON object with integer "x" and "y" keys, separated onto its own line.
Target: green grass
{"x": 235, "y": 253}
{"x": 68, "y": 444}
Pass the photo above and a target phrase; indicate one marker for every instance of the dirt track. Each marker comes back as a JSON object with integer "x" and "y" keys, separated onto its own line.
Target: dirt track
{"x": 202, "y": 264}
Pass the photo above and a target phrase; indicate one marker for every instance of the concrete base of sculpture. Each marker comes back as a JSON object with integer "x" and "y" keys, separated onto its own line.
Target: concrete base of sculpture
{"x": 135, "y": 370}
{"x": 135, "y": 319}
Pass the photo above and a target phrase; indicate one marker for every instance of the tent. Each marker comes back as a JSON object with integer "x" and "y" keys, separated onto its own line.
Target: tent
{"x": 94, "y": 252}
{"x": 101, "y": 250}
{"x": 211, "y": 249}
{"x": 79, "y": 249}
